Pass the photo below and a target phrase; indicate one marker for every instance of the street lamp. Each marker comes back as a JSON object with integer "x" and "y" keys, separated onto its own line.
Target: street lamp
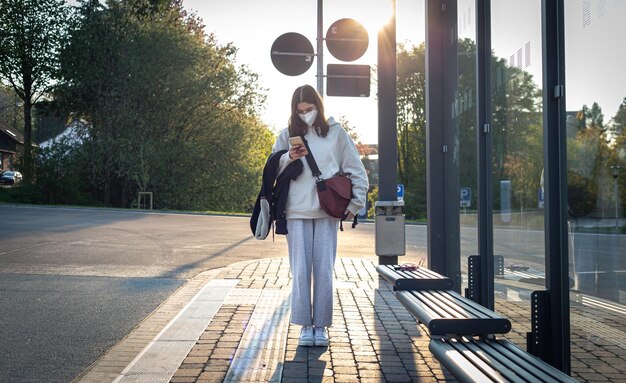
{"x": 615, "y": 172}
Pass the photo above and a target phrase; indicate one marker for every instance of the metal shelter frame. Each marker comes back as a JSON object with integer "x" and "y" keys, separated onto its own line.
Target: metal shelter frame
{"x": 443, "y": 168}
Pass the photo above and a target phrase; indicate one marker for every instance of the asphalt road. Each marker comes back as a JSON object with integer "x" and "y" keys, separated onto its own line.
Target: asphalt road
{"x": 54, "y": 326}
{"x": 73, "y": 281}
{"x": 122, "y": 243}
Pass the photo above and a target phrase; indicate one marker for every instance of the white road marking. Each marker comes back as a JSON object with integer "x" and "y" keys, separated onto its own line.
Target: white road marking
{"x": 24, "y": 248}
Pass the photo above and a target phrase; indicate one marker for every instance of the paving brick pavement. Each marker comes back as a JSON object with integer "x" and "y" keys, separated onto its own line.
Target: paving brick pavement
{"x": 373, "y": 338}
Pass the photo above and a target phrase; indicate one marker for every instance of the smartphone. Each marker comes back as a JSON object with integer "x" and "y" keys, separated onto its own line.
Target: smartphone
{"x": 297, "y": 141}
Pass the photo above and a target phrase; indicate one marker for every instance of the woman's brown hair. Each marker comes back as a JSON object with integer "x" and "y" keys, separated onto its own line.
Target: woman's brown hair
{"x": 297, "y": 127}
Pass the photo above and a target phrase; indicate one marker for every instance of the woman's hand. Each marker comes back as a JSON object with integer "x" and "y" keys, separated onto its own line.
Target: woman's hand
{"x": 296, "y": 152}
{"x": 348, "y": 214}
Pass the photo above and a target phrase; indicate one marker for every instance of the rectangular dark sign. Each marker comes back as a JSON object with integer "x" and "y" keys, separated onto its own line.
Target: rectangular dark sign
{"x": 348, "y": 80}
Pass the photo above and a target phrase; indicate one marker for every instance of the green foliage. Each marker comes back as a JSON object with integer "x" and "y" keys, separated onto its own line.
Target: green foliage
{"x": 619, "y": 120}
{"x": 372, "y": 197}
{"x": 350, "y": 129}
{"x": 466, "y": 119}
{"x": 169, "y": 111}
{"x": 411, "y": 93}
{"x": 10, "y": 112}
{"x": 617, "y": 155}
{"x": 59, "y": 175}
{"x": 20, "y": 193}
{"x": 516, "y": 126}
{"x": 30, "y": 38}
{"x": 591, "y": 153}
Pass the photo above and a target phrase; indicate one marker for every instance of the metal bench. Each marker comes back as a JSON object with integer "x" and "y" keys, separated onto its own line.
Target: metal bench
{"x": 490, "y": 360}
{"x": 420, "y": 279}
{"x": 449, "y": 313}
{"x": 426, "y": 295}
{"x": 452, "y": 320}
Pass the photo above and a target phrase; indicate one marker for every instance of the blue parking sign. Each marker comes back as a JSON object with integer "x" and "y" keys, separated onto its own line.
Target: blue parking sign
{"x": 466, "y": 197}
{"x": 400, "y": 192}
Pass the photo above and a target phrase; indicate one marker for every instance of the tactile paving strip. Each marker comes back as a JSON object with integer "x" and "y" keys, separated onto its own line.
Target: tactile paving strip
{"x": 161, "y": 358}
{"x": 243, "y": 297}
{"x": 260, "y": 355}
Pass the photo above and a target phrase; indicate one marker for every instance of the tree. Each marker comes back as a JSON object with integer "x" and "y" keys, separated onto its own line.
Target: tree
{"x": 61, "y": 161}
{"x": 619, "y": 120}
{"x": 618, "y": 150}
{"x": 350, "y": 129}
{"x": 30, "y": 40}
{"x": 411, "y": 125}
{"x": 516, "y": 126}
{"x": 10, "y": 108}
{"x": 588, "y": 160}
{"x": 168, "y": 110}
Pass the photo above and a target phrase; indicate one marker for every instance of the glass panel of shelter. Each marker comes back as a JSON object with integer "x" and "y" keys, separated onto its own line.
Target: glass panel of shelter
{"x": 517, "y": 139}
{"x": 596, "y": 148}
{"x": 596, "y": 162}
{"x": 465, "y": 113}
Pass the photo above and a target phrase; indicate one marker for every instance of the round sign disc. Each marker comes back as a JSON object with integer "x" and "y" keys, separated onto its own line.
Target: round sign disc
{"x": 292, "y": 54}
{"x": 347, "y": 39}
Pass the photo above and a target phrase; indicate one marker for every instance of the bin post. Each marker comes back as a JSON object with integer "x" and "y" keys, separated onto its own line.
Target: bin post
{"x": 390, "y": 232}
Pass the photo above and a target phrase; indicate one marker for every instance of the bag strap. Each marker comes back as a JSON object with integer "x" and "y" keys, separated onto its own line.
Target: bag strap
{"x": 311, "y": 161}
{"x": 316, "y": 173}
{"x": 355, "y": 221}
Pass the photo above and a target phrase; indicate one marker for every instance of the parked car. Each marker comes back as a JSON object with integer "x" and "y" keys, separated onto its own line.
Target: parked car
{"x": 10, "y": 177}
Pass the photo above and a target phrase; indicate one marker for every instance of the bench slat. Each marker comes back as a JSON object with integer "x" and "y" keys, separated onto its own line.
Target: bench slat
{"x": 487, "y": 360}
{"x": 423, "y": 312}
{"x": 463, "y": 368}
{"x": 468, "y": 306}
{"x": 513, "y": 368}
{"x": 448, "y": 313}
{"x": 443, "y": 307}
{"x": 454, "y": 305}
{"x": 428, "y": 296}
{"x": 537, "y": 363}
{"x": 420, "y": 279}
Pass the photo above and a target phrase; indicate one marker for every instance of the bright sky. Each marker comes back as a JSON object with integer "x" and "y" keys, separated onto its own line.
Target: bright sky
{"x": 254, "y": 25}
{"x": 594, "y": 45}
{"x": 595, "y": 36}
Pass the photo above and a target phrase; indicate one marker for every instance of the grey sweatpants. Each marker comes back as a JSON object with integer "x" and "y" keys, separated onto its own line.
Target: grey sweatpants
{"x": 312, "y": 248}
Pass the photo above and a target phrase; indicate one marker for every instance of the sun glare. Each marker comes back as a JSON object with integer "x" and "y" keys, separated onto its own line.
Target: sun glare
{"x": 254, "y": 43}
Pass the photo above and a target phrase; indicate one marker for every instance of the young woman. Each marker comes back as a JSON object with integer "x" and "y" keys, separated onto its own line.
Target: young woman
{"x": 312, "y": 234}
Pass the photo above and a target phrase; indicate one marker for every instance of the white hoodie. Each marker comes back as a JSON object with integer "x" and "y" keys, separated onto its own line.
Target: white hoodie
{"x": 333, "y": 153}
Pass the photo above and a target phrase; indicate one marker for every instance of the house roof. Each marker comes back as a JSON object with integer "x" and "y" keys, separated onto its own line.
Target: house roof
{"x": 12, "y": 133}
{"x": 71, "y": 133}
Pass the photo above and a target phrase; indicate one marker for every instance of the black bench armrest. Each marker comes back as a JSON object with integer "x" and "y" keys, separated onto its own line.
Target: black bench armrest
{"x": 420, "y": 279}
{"x": 449, "y": 313}
{"x": 472, "y": 360}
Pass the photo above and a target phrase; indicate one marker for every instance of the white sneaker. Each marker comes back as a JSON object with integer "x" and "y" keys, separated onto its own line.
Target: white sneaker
{"x": 321, "y": 336}
{"x": 306, "y": 337}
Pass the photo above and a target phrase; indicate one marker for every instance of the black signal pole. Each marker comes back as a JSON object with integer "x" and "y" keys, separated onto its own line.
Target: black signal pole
{"x": 387, "y": 131}
{"x": 320, "y": 47}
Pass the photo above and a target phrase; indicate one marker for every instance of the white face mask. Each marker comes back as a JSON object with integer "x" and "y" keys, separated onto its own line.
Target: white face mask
{"x": 309, "y": 117}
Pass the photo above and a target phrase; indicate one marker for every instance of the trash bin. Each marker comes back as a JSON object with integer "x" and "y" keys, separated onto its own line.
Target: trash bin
{"x": 390, "y": 231}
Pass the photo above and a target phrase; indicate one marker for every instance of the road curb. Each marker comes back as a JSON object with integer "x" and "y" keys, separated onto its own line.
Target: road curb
{"x": 110, "y": 365}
